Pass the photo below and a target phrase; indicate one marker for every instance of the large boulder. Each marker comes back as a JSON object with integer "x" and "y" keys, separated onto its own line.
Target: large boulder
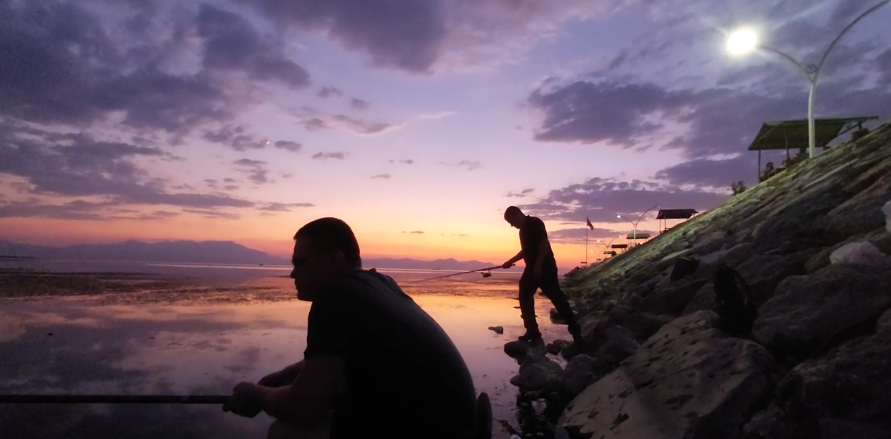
{"x": 582, "y": 371}
{"x": 689, "y": 380}
{"x": 815, "y": 310}
{"x": 764, "y": 272}
{"x": 844, "y": 392}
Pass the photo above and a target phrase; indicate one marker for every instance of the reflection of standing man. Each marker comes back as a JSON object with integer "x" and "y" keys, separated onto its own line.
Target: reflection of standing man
{"x": 540, "y": 272}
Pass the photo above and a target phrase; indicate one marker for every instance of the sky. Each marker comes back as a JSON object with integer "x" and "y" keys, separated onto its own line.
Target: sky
{"x": 416, "y": 121}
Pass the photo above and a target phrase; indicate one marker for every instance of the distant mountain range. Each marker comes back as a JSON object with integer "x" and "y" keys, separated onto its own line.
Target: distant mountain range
{"x": 204, "y": 252}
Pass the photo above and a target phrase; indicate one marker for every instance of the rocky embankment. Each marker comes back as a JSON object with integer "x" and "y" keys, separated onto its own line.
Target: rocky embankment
{"x": 804, "y": 353}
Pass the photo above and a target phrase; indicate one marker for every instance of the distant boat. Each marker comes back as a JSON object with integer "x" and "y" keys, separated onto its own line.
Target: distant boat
{"x": 261, "y": 265}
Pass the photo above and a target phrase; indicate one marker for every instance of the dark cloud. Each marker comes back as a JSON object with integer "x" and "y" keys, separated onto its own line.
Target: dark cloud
{"x": 713, "y": 173}
{"x": 211, "y": 183}
{"x": 361, "y": 126}
{"x": 329, "y": 155}
{"x": 327, "y": 92}
{"x": 79, "y": 210}
{"x": 314, "y": 124}
{"x": 232, "y": 44}
{"x": 720, "y": 120}
{"x": 359, "y": 104}
{"x": 283, "y": 207}
{"x": 469, "y": 164}
{"x": 382, "y": 176}
{"x": 255, "y": 169}
{"x": 229, "y": 180}
{"x": 404, "y": 34}
{"x": 405, "y": 161}
{"x": 214, "y": 214}
{"x": 522, "y": 194}
{"x": 288, "y": 145}
{"x": 239, "y": 138}
{"x": 601, "y": 200}
{"x": 82, "y": 166}
{"x": 414, "y": 232}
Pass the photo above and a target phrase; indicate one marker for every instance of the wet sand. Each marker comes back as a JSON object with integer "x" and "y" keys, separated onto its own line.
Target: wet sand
{"x": 125, "y": 333}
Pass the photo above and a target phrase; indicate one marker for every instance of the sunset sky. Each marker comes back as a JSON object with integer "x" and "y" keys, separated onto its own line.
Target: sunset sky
{"x": 416, "y": 121}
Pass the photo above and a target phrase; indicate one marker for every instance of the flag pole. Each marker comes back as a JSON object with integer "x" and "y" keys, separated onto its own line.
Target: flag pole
{"x": 586, "y": 241}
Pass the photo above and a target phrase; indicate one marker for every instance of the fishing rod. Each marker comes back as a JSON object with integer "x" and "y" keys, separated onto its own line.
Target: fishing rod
{"x": 114, "y": 399}
{"x": 465, "y": 272}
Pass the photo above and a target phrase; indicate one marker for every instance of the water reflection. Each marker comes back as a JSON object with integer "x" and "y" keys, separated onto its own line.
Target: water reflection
{"x": 74, "y": 345}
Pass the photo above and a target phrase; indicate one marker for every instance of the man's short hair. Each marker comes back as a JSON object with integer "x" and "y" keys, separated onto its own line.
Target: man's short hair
{"x": 511, "y": 211}
{"x": 332, "y": 234}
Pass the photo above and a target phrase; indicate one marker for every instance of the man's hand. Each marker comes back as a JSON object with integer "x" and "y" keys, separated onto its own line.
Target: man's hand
{"x": 507, "y": 265}
{"x": 245, "y": 400}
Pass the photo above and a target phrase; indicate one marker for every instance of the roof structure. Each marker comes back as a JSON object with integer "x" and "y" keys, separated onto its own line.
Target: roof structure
{"x": 640, "y": 235}
{"x": 676, "y": 214}
{"x": 793, "y": 134}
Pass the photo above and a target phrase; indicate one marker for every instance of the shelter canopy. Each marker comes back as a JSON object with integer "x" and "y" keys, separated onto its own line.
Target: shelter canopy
{"x": 793, "y": 134}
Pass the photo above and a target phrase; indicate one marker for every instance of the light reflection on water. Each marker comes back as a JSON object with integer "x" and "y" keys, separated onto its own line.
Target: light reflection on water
{"x": 205, "y": 348}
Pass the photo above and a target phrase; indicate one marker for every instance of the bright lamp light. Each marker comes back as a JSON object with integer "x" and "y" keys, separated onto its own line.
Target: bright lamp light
{"x": 742, "y": 41}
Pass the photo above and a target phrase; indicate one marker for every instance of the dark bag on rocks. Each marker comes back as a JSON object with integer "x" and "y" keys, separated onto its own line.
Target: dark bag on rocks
{"x": 736, "y": 311}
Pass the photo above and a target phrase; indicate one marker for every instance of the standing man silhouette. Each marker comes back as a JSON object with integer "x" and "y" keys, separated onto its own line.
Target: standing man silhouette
{"x": 540, "y": 272}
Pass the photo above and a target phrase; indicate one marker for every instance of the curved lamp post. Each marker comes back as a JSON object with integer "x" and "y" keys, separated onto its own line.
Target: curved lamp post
{"x": 745, "y": 40}
{"x": 634, "y": 234}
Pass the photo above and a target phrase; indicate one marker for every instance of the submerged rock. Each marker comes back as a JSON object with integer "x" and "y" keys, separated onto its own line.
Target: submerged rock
{"x": 687, "y": 380}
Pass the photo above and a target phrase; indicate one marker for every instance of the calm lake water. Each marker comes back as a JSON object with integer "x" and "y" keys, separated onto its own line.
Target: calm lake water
{"x": 81, "y": 345}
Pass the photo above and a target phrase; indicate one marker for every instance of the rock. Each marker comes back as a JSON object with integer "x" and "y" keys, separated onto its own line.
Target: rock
{"x": 683, "y": 267}
{"x": 558, "y": 346}
{"x": 764, "y": 272}
{"x": 711, "y": 242}
{"x": 841, "y": 429}
{"x": 521, "y": 349}
{"x": 819, "y": 260}
{"x": 886, "y": 209}
{"x": 766, "y": 424}
{"x": 641, "y": 325}
{"x": 581, "y": 371}
{"x": 814, "y": 310}
{"x": 737, "y": 254}
{"x": 850, "y": 383}
{"x": 612, "y": 344}
{"x": 858, "y": 253}
{"x": 703, "y": 300}
{"x": 687, "y": 381}
{"x": 497, "y": 329}
{"x": 669, "y": 260}
{"x": 543, "y": 374}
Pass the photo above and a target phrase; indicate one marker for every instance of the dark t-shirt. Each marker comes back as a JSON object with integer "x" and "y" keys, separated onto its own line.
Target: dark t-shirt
{"x": 531, "y": 234}
{"x": 405, "y": 377}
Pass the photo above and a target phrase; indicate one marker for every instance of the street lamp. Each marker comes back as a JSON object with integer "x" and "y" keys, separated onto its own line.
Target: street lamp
{"x": 634, "y": 234}
{"x": 745, "y": 40}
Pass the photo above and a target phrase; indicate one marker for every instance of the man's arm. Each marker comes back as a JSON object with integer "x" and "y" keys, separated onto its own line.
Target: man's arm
{"x": 283, "y": 377}
{"x": 516, "y": 258}
{"x": 308, "y": 400}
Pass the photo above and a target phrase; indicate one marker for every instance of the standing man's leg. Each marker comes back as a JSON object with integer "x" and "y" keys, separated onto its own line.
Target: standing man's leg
{"x": 528, "y": 287}
{"x": 550, "y": 286}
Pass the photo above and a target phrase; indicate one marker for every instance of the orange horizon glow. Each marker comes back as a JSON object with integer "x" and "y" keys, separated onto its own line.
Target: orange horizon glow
{"x": 492, "y": 242}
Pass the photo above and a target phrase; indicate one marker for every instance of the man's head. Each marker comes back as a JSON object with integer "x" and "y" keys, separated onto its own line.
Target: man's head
{"x": 323, "y": 250}
{"x": 514, "y": 216}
